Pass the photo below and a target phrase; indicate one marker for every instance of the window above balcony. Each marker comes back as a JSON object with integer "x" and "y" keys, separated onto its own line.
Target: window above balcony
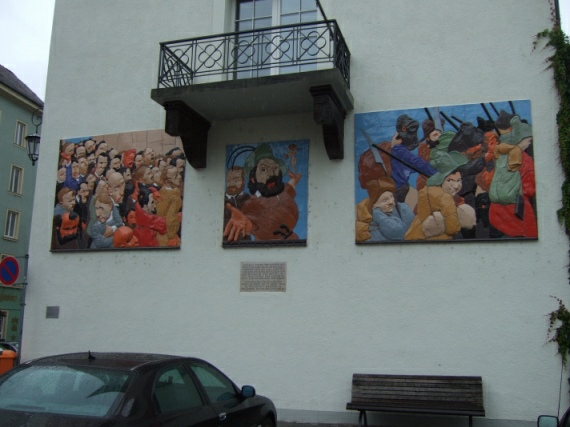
{"x": 275, "y": 47}
{"x": 283, "y": 56}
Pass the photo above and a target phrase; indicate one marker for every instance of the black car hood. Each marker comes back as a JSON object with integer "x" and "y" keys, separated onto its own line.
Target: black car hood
{"x": 28, "y": 419}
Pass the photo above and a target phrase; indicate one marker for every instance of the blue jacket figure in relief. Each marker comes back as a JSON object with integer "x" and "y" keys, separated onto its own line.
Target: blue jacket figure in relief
{"x": 405, "y": 159}
{"x": 390, "y": 219}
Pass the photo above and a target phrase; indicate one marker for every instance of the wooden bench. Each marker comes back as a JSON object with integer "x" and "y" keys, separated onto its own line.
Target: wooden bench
{"x": 417, "y": 394}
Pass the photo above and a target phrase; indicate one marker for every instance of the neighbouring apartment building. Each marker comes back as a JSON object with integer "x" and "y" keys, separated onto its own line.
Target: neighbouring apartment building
{"x": 18, "y": 104}
{"x": 298, "y": 191}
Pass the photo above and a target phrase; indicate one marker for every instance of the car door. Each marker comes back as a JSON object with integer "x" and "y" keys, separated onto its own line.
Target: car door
{"x": 224, "y": 397}
{"x": 178, "y": 401}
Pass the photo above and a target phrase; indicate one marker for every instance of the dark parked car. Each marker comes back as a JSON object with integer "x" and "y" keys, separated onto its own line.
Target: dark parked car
{"x": 552, "y": 421}
{"x": 127, "y": 389}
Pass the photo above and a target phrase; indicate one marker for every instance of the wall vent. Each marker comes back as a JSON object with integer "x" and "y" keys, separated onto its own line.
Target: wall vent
{"x": 52, "y": 312}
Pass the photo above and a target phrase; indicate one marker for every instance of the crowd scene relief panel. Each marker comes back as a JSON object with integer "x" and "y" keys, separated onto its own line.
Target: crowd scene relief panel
{"x": 449, "y": 173}
{"x": 266, "y": 194}
{"x": 119, "y": 191}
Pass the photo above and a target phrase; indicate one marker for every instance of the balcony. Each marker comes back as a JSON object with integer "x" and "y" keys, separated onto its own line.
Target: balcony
{"x": 279, "y": 70}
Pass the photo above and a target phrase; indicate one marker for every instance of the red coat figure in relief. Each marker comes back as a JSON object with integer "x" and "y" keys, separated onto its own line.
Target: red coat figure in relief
{"x": 271, "y": 213}
{"x": 513, "y": 185}
{"x": 148, "y": 223}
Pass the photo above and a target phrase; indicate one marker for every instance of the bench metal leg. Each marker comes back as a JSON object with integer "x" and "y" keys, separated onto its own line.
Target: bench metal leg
{"x": 470, "y": 421}
{"x": 361, "y": 417}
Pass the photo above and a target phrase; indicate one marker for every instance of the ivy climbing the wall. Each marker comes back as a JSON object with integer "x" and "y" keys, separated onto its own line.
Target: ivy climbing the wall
{"x": 559, "y": 62}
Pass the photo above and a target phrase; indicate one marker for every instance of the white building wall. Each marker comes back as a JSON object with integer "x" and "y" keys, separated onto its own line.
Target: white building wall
{"x": 450, "y": 309}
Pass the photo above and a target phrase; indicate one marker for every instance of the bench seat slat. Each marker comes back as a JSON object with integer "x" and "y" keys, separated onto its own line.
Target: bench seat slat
{"x": 452, "y": 397}
{"x": 418, "y": 386}
{"x": 424, "y": 403}
{"x": 415, "y": 390}
{"x": 419, "y": 410}
{"x": 424, "y": 400}
{"x": 413, "y": 378}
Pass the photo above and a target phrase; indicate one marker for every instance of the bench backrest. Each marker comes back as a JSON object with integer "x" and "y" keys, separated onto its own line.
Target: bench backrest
{"x": 418, "y": 393}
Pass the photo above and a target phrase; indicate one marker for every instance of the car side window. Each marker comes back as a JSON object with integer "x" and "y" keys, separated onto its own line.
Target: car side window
{"x": 218, "y": 387}
{"x": 174, "y": 390}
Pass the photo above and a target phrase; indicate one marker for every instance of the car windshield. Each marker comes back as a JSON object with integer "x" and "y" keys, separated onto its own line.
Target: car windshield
{"x": 64, "y": 390}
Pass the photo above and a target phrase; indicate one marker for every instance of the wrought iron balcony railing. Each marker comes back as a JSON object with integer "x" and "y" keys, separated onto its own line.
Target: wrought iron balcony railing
{"x": 269, "y": 51}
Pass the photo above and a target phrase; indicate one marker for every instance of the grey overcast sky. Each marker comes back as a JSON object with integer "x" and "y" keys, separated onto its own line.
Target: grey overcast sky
{"x": 25, "y": 33}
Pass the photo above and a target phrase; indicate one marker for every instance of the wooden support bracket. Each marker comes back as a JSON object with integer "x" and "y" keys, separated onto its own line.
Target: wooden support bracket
{"x": 192, "y": 129}
{"x": 330, "y": 114}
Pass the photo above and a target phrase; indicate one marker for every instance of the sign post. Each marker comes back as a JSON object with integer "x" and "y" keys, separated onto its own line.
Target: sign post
{"x": 23, "y": 305}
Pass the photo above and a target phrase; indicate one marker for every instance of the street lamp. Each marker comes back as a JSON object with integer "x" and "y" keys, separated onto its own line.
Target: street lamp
{"x": 33, "y": 140}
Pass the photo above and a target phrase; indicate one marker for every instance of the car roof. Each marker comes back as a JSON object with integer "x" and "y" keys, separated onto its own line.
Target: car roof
{"x": 130, "y": 361}
{"x": 5, "y": 344}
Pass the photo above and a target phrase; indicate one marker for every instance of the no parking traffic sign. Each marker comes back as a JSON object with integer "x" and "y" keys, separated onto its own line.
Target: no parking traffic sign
{"x": 9, "y": 270}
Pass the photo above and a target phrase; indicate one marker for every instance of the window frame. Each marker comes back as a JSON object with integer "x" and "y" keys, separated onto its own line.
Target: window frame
{"x": 276, "y": 14}
{"x": 20, "y": 136}
{"x": 11, "y": 213}
{"x": 16, "y": 188}
{"x": 276, "y": 20}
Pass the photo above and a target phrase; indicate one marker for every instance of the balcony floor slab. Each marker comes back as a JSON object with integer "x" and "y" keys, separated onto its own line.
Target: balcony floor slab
{"x": 254, "y": 97}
